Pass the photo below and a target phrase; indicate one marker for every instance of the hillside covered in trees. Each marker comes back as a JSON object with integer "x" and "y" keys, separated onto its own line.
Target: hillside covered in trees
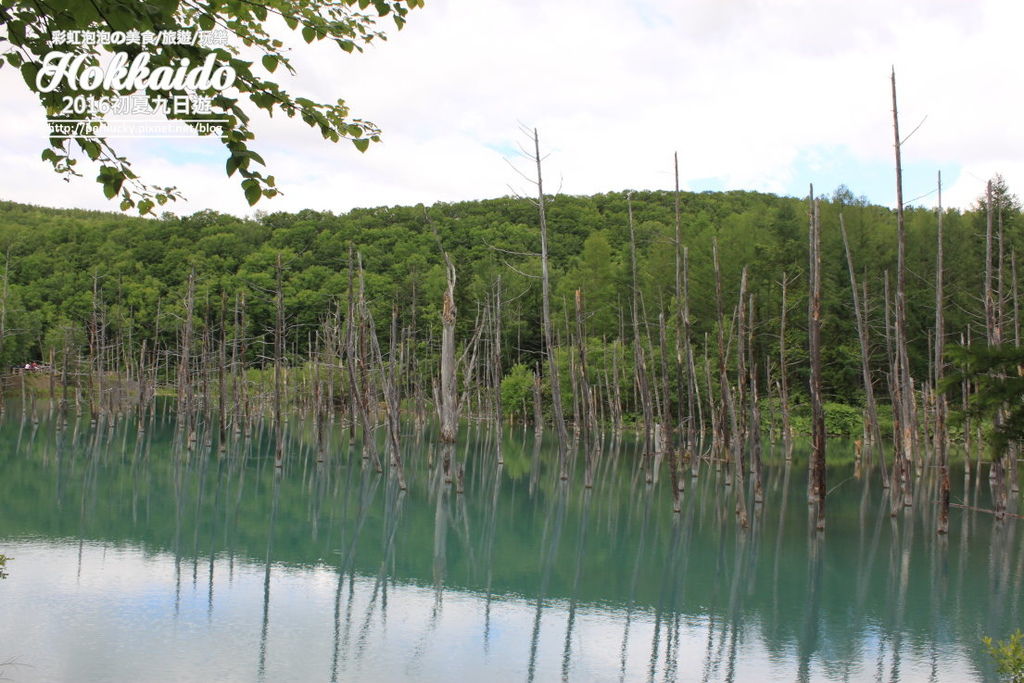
{"x": 70, "y": 272}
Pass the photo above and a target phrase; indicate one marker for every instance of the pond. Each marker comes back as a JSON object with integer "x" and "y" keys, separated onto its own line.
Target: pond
{"x": 136, "y": 558}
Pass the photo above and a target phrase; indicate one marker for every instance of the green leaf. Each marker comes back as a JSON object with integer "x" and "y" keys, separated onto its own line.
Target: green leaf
{"x": 28, "y": 72}
{"x": 91, "y": 148}
{"x": 362, "y": 144}
{"x": 308, "y": 34}
{"x": 252, "y": 191}
{"x": 270, "y": 63}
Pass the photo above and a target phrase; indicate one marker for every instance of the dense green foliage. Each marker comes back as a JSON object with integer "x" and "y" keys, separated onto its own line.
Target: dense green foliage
{"x": 997, "y": 372}
{"x": 139, "y": 267}
{"x": 1009, "y": 655}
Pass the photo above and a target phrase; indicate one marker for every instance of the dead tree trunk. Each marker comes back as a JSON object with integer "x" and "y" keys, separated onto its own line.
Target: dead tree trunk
{"x": 184, "y": 357}
{"x": 358, "y": 395}
{"x": 278, "y": 362}
{"x": 589, "y": 422}
{"x": 388, "y": 372}
{"x": 941, "y": 447}
{"x": 787, "y": 430}
{"x": 814, "y": 339}
{"x": 738, "y": 443}
{"x": 871, "y": 430}
{"x": 728, "y": 426}
{"x": 3, "y": 320}
{"x": 640, "y": 364}
{"x": 904, "y": 430}
{"x": 549, "y": 346}
{"x": 754, "y": 425}
{"x": 538, "y": 411}
{"x": 222, "y": 399}
{"x": 496, "y": 371}
{"x": 449, "y": 389}
{"x": 1015, "y": 447}
{"x": 684, "y": 413}
{"x": 994, "y": 336}
{"x": 1016, "y": 300}
{"x": 95, "y": 351}
{"x": 693, "y": 407}
{"x": 616, "y": 389}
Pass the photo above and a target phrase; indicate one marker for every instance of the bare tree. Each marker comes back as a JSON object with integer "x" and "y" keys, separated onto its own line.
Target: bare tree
{"x": 872, "y": 432}
{"x": 904, "y": 415}
{"x": 814, "y": 339}
{"x": 941, "y": 449}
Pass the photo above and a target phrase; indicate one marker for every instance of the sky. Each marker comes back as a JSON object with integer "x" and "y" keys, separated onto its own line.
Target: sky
{"x": 752, "y": 95}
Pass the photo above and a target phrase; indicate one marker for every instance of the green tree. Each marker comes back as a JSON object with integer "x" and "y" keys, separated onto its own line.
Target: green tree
{"x": 517, "y": 391}
{"x": 997, "y": 372}
{"x": 1009, "y": 655}
{"x": 595, "y": 275}
{"x": 30, "y": 28}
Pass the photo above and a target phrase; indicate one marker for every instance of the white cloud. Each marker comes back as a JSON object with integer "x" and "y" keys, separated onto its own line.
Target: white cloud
{"x": 741, "y": 89}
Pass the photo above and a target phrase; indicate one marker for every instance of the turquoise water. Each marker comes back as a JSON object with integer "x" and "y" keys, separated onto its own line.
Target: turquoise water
{"x": 137, "y": 559}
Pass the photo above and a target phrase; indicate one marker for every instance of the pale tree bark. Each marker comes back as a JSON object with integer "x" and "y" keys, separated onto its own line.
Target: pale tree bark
{"x": 639, "y": 360}
{"x": 991, "y": 326}
{"x": 754, "y": 426}
{"x": 682, "y": 341}
{"x": 787, "y": 430}
{"x": 693, "y": 404}
{"x": 449, "y": 390}
{"x": 725, "y": 435}
{"x": 355, "y": 363}
{"x": 994, "y": 335}
{"x": 905, "y": 415}
{"x": 941, "y": 447}
{"x": 549, "y": 345}
{"x": 1015, "y": 448}
{"x": 872, "y": 432}
{"x": 3, "y": 318}
{"x": 496, "y": 371}
{"x": 222, "y": 390}
{"x": 814, "y": 334}
{"x": 589, "y": 421}
{"x": 185, "y": 356}
{"x": 278, "y": 362}
{"x": 738, "y": 442}
{"x": 388, "y": 372}
{"x": 1016, "y": 299}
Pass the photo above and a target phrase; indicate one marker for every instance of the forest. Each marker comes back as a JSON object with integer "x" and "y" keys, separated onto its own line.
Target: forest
{"x": 61, "y": 266}
{"x": 663, "y": 305}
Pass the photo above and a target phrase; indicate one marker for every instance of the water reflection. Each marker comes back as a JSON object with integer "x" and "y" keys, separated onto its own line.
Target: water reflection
{"x": 130, "y": 542}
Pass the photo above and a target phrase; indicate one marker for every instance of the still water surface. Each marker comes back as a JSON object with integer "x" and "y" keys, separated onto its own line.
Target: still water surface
{"x": 138, "y": 560}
